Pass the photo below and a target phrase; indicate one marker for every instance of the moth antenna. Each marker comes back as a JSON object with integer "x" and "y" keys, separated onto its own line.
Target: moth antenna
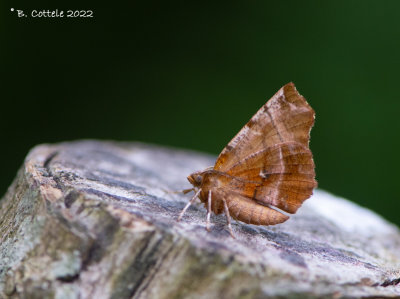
{"x": 208, "y": 211}
{"x": 228, "y": 218}
{"x": 179, "y": 191}
{"x": 188, "y": 204}
{"x": 187, "y": 190}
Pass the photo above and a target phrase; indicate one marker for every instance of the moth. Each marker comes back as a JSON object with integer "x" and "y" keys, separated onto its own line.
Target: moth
{"x": 266, "y": 170}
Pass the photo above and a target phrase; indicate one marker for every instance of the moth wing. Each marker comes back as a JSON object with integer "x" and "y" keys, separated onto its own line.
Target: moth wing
{"x": 285, "y": 117}
{"x": 282, "y": 176}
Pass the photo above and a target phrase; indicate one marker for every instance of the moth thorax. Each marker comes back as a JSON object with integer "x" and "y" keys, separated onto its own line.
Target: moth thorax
{"x": 197, "y": 178}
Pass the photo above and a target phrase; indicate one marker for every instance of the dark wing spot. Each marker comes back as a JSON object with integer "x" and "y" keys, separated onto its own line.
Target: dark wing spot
{"x": 254, "y": 194}
{"x": 264, "y": 174}
{"x": 251, "y": 123}
{"x": 229, "y": 147}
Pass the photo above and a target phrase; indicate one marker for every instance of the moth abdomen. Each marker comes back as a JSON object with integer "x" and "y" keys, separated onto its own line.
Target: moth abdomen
{"x": 246, "y": 210}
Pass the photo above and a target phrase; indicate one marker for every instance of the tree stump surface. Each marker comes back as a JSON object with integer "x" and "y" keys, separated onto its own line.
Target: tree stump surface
{"x": 92, "y": 219}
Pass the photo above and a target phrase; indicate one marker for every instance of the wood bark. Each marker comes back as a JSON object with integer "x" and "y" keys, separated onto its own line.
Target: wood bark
{"x": 91, "y": 219}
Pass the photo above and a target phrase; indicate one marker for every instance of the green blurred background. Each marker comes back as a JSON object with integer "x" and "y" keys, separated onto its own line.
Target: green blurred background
{"x": 191, "y": 74}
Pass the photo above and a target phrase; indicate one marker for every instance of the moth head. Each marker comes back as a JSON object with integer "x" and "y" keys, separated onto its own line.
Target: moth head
{"x": 196, "y": 178}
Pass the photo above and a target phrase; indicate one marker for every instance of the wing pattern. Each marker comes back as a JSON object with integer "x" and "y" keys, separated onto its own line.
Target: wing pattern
{"x": 285, "y": 117}
{"x": 269, "y": 160}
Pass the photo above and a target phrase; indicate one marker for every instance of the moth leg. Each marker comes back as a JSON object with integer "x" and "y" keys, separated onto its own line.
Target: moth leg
{"x": 228, "y": 218}
{"x": 208, "y": 211}
{"x": 188, "y": 204}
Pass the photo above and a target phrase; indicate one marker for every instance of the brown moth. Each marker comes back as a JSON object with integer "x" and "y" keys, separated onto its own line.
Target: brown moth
{"x": 265, "y": 169}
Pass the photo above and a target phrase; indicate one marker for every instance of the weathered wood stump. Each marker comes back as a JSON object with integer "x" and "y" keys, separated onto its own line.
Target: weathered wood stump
{"x": 93, "y": 219}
